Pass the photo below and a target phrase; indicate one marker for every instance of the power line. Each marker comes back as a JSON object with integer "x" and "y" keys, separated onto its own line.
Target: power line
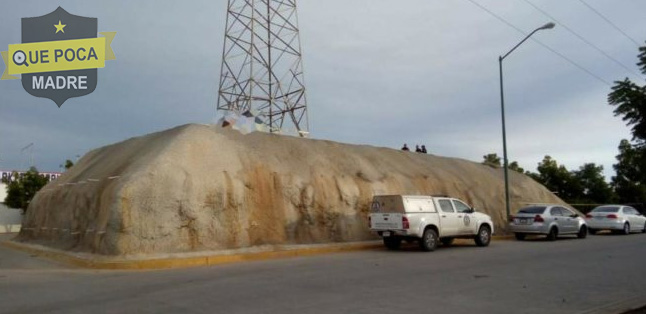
{"x": 573, "y": 63}
{"x": 583, "y": 39}
{"x": 541, "y": 43}
{"x": 609, "y": 22}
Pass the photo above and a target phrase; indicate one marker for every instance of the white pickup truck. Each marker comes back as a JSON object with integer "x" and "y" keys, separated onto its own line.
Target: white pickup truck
{"x": 428, "y": 220}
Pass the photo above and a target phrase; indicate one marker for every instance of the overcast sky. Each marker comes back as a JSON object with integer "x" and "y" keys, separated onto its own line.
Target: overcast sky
{"x": 378, "y": 72}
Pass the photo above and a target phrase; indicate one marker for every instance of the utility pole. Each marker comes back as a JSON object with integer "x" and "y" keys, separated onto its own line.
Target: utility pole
{"x": 502, "y": 110}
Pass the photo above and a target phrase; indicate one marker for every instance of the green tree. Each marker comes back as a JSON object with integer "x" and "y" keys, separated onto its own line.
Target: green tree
{"x": 514, "y": 166}
{"x": 630, "y": 181}
{"x": 558, "y": 179}
{"x": 492, "y": 160}
{"x": 22, "y": 190}
{"x": 595, "y": 188}
{"x": 68, "y": 164}
{"x": 629, "y": 100}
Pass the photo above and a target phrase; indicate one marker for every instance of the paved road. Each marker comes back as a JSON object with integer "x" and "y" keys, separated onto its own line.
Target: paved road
{"x": 12, "y": 260}
{"x": 567, "y": 276}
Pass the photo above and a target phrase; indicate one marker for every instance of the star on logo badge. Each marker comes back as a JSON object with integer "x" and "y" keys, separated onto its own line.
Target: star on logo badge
{"x": 59, "y": 27}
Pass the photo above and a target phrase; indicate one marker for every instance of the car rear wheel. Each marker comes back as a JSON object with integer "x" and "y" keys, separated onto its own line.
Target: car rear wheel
{"x": 583, "y": 232}
{"x": 428, "y": 242}
{"x": 520, "y": 236}
{"x": 447, "y": 241}
{"x": 484, "y": 236}
{"x": 392, "y": 243}
{"x": 554, "y": 233}
{"x": 626, "y": 229}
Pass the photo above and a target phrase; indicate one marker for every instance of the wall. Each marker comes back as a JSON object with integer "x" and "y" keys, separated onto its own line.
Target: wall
{"x": 10, "y": 219}
{"x": 3, "y": 192}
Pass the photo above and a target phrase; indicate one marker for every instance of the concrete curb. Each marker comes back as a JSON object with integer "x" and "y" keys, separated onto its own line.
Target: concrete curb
{"x": 177, "y": 261}
{"x": 91, "y": 261}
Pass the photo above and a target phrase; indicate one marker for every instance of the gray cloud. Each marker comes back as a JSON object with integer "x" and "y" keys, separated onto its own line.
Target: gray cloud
{"x": 378, "y": 72}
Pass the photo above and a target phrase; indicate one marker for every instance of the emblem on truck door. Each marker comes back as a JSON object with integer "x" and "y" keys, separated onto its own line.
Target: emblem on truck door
{"x": 467, "y": 220}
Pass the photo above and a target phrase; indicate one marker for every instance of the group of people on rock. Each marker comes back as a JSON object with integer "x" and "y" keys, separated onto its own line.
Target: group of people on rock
{"x": 418, "y": 149}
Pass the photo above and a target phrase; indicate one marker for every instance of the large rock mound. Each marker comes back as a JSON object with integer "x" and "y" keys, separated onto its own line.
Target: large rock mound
{"x": 197, "y": 187}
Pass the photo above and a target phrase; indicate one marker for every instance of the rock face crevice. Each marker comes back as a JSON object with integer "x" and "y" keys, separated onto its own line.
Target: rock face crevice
{"x": 196, "y": 188}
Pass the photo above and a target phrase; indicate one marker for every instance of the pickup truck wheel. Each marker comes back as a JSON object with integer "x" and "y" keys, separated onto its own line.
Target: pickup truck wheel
{"x": 484, "y": 236}
{"x": 428, "y": 242}
{"x": 520, "y": 236}
{"x": 392, "y": 243}
{"x": 447, "y": 241}
{"x": 583, "y": 232}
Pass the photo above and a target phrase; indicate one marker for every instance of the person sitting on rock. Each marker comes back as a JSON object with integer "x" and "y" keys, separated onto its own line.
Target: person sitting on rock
{"x": 424, "y": 149}
{"x": 417, "y": 149}
{"x": 405, "y": 148}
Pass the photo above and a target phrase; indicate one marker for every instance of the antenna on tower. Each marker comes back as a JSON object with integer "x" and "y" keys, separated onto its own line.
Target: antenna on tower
{"x": 262, "y": 65}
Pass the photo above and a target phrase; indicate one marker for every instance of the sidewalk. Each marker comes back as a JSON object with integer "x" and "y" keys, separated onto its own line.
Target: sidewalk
{"x": 11, "y": 259}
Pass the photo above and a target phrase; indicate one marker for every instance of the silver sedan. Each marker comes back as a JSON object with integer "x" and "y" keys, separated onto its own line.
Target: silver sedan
{"x": 617, "y": 218}
{"x": 551, "y": 220}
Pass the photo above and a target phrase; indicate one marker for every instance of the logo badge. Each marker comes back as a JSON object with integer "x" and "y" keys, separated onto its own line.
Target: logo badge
{"x": 467, "y": 220}
{"x": 59, "y": 55}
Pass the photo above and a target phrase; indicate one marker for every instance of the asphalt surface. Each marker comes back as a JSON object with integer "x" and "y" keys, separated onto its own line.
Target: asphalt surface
{"x": 637, "y": 311}
{"x": 534, "y": 276}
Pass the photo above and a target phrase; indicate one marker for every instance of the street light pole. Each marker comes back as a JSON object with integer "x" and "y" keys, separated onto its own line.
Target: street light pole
{"x": 502, "y": 107}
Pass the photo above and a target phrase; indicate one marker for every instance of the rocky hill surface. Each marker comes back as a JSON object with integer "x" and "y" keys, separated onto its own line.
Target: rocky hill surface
{"x": 197, "y": 187}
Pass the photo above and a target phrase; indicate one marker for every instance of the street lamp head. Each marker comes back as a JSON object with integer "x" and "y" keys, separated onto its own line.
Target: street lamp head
{"x": 549, "y": 25}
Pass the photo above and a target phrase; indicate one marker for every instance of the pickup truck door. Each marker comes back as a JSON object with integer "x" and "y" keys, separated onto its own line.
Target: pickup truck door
{"x": 449, "y": 221}
{"x": 467, "y": 219}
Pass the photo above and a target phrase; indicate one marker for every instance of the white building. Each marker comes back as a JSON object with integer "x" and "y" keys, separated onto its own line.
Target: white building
{"x": 11, "y": 219}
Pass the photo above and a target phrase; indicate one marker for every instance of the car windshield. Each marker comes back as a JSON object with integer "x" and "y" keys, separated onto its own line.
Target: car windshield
{"x": 532, "y": 210}
{"x": 606, "y": 209}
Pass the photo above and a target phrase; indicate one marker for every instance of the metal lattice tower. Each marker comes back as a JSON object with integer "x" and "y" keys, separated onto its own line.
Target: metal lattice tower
{"x": 262, "y": 66}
